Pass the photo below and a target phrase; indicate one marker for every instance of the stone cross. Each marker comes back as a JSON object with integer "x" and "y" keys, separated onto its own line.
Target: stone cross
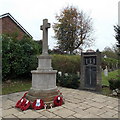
{"x": 45, "y": 27}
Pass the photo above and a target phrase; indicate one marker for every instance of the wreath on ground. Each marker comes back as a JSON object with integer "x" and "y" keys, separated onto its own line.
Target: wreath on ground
{"x": 58, "y": 101}
{"x": 38, "y": 104}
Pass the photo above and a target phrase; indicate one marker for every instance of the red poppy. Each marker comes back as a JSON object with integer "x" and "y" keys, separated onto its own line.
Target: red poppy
{"x": 26, "y": 105}
{"x": 58, "y": 101}
{"x": 38, "y": 104}
{"x": 20, "y": 102}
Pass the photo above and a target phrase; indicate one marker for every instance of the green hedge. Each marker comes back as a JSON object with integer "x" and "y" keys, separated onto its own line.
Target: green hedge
{"x": 18, "y": 57}
{"x": 66, "y": 63}
{"x": 70, "y": 81}
{"x": 71, "y": 63}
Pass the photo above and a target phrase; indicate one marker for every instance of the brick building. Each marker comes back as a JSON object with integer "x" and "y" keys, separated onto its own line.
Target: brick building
{"x": 8, "y": 25}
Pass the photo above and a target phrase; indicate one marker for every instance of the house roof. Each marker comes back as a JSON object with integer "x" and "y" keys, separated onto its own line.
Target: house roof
{"x": 15, "y": 21}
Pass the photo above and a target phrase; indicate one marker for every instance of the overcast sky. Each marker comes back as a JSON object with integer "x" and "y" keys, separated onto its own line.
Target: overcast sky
{"x": 30, "y": 14}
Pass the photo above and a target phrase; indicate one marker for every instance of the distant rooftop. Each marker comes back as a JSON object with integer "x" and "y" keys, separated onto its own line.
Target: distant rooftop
{"x": 15, "y": 21}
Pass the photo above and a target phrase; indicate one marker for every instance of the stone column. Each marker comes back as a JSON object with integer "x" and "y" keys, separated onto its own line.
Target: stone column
{"x": 44, "y": 78}
{"x": 99, "y": 71}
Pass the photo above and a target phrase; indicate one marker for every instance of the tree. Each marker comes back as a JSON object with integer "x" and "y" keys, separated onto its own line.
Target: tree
{"x": 117, "y": 35}
{"x": 73, "y": 29}
{"x": 110, "y": 52}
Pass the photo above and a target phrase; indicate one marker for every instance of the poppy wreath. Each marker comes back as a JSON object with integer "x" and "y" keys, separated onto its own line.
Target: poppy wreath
{"x": 26, "y": 105}
{"x": 60, "y": 93}
{"x": 38, "y": 104}
{"x": 21, "y": 101}
{"x": 58, "y": 101}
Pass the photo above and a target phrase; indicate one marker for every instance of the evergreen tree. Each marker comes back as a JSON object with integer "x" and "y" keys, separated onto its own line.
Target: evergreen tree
{"x": 117, "y": 35}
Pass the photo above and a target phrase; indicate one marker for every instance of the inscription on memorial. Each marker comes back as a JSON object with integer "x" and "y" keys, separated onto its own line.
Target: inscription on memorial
{"x": 91, "y": 70}
{"x": 90, "y": 76}
{"x": 90, "y": 60}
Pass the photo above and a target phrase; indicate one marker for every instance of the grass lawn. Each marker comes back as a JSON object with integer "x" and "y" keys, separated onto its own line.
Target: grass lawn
{"x": 105, "y": 79}
{"x": 16, "y": 86}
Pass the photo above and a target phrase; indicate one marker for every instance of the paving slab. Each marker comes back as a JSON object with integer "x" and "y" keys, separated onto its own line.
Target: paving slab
{"x": 10, "y": 116}
{"x": 48, "y": 114}
{"x": 9, "y": 112}
{"x": 64, "y": 113}
{"x": 17, "y": 114}
{"x": 30, "y": 115}
{"x": 78, "y": 104}
{"x": 55, "y": 109}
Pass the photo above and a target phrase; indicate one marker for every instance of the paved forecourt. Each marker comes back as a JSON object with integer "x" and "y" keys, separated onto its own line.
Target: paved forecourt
{"x": 78, "y": 104}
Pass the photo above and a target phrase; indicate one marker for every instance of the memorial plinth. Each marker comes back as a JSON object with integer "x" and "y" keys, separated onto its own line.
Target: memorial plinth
{"x": 44, "y": 78}
{"x": 91, "y": 71}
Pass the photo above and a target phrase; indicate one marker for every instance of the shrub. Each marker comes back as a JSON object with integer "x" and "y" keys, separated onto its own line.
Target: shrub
{"x": 18, "y": 56}
{"x": 66, "y": 63}
{"x": 114, "y": 84}
{"x": 70, "y": 81}
{"x": 110, "y": 63}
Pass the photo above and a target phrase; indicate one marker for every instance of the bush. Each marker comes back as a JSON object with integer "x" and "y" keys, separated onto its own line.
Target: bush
{"x": 110, "y": 63}
{"x": 115, "y": 83}
{"x": 18, "y": 56}
{"x": 66, "y": 63}
{"x": 70, "y": 81}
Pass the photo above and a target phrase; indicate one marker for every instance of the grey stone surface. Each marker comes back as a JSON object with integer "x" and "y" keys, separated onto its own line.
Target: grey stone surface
{"x": 9, "y": 112}
{"x": 64, "y": 113}
{"x": 44, "y": 78}
{"x": 46, "y": 95}
{"x": 91, "y": 71}
{"x": 89, "y": 107}
{"x": 45, "y": 27}
{"x": 47, "y": 114}
{"x": 44, "y": 62}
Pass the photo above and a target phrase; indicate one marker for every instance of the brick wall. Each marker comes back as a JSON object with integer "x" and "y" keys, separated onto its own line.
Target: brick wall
{"x": 10, "y": 27}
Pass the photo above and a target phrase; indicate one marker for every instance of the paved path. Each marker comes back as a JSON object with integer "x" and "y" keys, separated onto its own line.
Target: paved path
{"x": 78, "y": 104}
